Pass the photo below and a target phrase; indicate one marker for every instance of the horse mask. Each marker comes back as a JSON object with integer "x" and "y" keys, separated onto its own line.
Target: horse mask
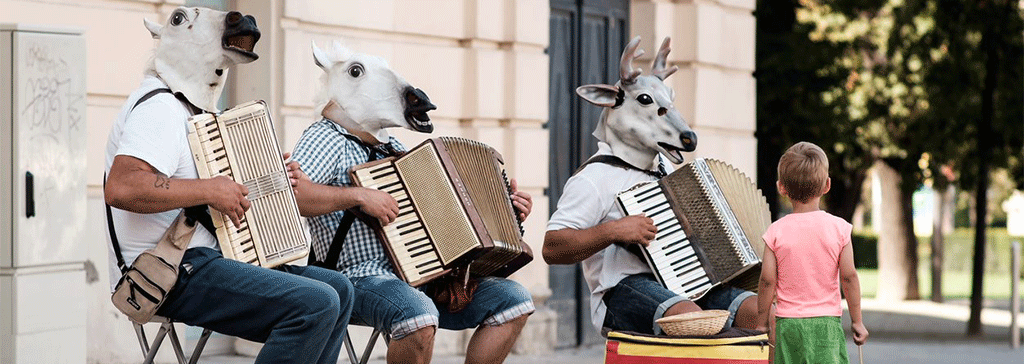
{"x": 197, "y": 46}
{"x": 363, "y": 95}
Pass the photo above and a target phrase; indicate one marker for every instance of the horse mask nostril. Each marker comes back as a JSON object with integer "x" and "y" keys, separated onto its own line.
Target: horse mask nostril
{"x": 662, "y": 111}
{"x": 233, "y": 18}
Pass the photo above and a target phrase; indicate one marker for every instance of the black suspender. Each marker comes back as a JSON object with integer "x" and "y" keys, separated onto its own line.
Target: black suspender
{"x": 195, "y": 213}
{"x": 373, "y": 152}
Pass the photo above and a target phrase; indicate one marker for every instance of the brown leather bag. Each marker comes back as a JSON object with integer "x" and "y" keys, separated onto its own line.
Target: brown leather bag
{"x": 141, "y": 290}
{"x": 454, "y": 290}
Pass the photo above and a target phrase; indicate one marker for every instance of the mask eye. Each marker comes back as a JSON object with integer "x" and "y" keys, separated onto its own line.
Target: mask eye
{"x": 356, "y": 70}
{"x": 178, "y": 18}
{"x": 644, "y": 99}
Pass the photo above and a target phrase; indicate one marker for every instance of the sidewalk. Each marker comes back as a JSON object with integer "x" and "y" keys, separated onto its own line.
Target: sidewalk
{"x": 904, "y": 332}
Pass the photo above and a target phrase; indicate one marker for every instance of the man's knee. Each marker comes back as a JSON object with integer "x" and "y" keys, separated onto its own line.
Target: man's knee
{"x": 680, "y": 307}
{"x": 343, "y": 287}
{"x": 419, "y": 340}
{"x": 319, "y": 300}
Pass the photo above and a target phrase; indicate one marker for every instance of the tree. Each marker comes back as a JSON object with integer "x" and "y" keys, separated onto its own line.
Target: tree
{"x": 972, "y": 60}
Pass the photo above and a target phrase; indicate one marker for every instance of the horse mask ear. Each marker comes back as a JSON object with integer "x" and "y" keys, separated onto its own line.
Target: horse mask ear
{"x": 600, "y": 95}
{"x": 321, "y": 58}
{"x": 154, "y": 28}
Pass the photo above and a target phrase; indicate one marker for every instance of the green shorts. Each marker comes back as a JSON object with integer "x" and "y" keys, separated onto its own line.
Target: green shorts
{"x": 818, "y": 340}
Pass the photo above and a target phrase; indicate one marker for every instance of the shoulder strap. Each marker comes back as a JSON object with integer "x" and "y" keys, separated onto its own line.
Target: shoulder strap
{"x": 194, "y": 214}
{"x": 110, "y": 216}
{"x": 334, "y": 252}
{"x": 618, "y": 162}
{"x": 373, "y": 152}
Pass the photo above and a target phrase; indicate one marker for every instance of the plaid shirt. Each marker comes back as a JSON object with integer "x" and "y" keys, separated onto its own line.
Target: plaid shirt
{"x": 326, "y": 155}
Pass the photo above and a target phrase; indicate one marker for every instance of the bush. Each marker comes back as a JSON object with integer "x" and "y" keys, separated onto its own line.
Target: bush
{"x": 865, "y": 250}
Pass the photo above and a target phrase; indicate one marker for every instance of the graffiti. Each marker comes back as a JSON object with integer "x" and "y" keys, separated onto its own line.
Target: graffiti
{"x": 51, "y": 104}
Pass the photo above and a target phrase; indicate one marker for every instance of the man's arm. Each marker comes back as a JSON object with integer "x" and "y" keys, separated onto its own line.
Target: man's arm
{"x": 315, "y": 199}
{"x": 134, "y": 185}
{"x": 569, "y": 246}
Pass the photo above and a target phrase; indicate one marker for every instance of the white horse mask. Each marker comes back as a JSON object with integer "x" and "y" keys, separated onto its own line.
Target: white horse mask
{"x": 363, "y": 95}
{"x": 639, "y": 120}
{"x": 197, "y": 46}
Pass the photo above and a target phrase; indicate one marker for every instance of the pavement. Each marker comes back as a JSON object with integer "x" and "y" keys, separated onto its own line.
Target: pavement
{"x": 902, "y": 332}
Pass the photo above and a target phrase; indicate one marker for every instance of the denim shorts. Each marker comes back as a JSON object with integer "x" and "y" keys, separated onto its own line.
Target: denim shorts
{"x": 390, "y": 304}
{"x": 638, "y": 300}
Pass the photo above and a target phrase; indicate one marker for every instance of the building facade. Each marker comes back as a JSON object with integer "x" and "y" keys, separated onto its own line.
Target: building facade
{"x": 484, "y": 63}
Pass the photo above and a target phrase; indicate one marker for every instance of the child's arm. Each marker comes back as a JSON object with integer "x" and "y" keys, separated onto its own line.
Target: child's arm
{"x": 851, "y": 289}
{"x": 569, "y": 246}
{"x": 766, "y": 289}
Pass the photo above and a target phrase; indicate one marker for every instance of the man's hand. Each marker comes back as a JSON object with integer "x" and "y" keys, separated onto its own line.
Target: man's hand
{"x": 378, "y": 204}
{"x": 635, "y": 229}
{"x": 522, "y": 201}
{"x": 228, "y": 197}
{"x": 295, "y": 173}
{"x": 860, "y": 333}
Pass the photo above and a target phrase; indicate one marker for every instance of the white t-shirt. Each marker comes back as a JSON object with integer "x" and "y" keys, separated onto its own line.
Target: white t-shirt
{"x": 588, "y": 200}
{"x": 155, "y": 132}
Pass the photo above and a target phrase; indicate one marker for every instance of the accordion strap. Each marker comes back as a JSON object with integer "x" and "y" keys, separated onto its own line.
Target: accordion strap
{"x": 373, "y": 152}
{"x": 618, "y": 162}
{"x": 193, "y": 214}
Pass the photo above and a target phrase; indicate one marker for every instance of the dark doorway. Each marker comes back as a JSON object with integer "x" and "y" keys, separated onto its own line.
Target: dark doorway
{"x": 587, "y": 37}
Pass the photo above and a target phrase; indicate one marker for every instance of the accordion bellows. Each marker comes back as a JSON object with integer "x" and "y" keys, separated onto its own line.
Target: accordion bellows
{"x": 710, "y": 219}
{"x": 454, "y": 210}
{"x": 240, "y": 143}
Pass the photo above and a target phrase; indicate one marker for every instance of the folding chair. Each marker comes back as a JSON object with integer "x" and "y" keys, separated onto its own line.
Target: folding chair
{"x": 369, "y": 346}
{"x": 166, "y": 325}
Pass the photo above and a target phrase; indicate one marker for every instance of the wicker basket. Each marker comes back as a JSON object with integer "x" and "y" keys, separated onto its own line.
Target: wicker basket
{"x": 697, "y": 323}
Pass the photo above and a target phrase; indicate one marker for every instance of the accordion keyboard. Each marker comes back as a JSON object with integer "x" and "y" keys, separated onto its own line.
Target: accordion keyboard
{"x": 406, "y": 235}
{"x": 670, "y": 253}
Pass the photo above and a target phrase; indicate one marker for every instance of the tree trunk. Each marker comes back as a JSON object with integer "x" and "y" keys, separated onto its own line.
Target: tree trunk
{"x": 909, "y": 240}
{"x": 895, "y": 269}
{"x": 988, "y": 96}
{"x": 843, "y": 198}
{"x": 943, "y": 198}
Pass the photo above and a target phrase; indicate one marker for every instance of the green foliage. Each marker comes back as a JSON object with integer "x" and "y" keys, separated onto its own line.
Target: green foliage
{"x": 865, "y": 250}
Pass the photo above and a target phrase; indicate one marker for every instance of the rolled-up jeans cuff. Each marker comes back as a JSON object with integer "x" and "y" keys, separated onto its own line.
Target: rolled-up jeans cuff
{"x": 412, "y": 325}
{"x": 735, "y": 306}
{"x": 664, "y": 306}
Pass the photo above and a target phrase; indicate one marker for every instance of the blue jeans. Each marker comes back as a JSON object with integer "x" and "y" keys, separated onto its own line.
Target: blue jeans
{"x": 390, "y": 304}
{"x": 638, "y": 300}
{"x": 300, "y": 313}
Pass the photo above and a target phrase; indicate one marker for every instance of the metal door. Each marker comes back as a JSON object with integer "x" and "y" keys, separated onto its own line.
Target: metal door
{"x": 587, "y": 37}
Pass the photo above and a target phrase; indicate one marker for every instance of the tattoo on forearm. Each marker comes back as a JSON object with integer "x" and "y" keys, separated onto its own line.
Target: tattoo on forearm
{"x": 162, "y": 181}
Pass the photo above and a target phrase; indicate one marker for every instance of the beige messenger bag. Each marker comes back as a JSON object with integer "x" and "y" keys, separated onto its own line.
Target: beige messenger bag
{"x": 143, "y": 287}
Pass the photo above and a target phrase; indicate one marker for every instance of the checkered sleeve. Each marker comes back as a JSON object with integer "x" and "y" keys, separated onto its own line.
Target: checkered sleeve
{"x": 318, "y": 153}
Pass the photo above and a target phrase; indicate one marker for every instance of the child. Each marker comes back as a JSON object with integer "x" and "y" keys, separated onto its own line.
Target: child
{"x": 807, "y": 253}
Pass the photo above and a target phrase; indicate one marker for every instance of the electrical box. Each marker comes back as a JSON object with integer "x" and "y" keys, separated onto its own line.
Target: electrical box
{"x": 42, "y": 194}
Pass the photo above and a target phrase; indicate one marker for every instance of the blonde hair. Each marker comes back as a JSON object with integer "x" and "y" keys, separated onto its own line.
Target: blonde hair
{"x": 803, "y": 170}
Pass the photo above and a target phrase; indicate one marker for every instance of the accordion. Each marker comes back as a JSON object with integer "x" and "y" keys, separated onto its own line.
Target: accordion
{"x": 240, "y": 144}
{"x": 455, "y": 210}
{"x": 710, "y": 219}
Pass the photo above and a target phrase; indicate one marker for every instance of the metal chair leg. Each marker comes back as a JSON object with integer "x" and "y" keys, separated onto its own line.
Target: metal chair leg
{"x": 348, "y": 347}
{"x": 199, "y": 346}
{"x": 369, "y": 347}
{"x": 140, "y": 333}
{"x": 176, "y": 345}
{"x": 156, "y": 344}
